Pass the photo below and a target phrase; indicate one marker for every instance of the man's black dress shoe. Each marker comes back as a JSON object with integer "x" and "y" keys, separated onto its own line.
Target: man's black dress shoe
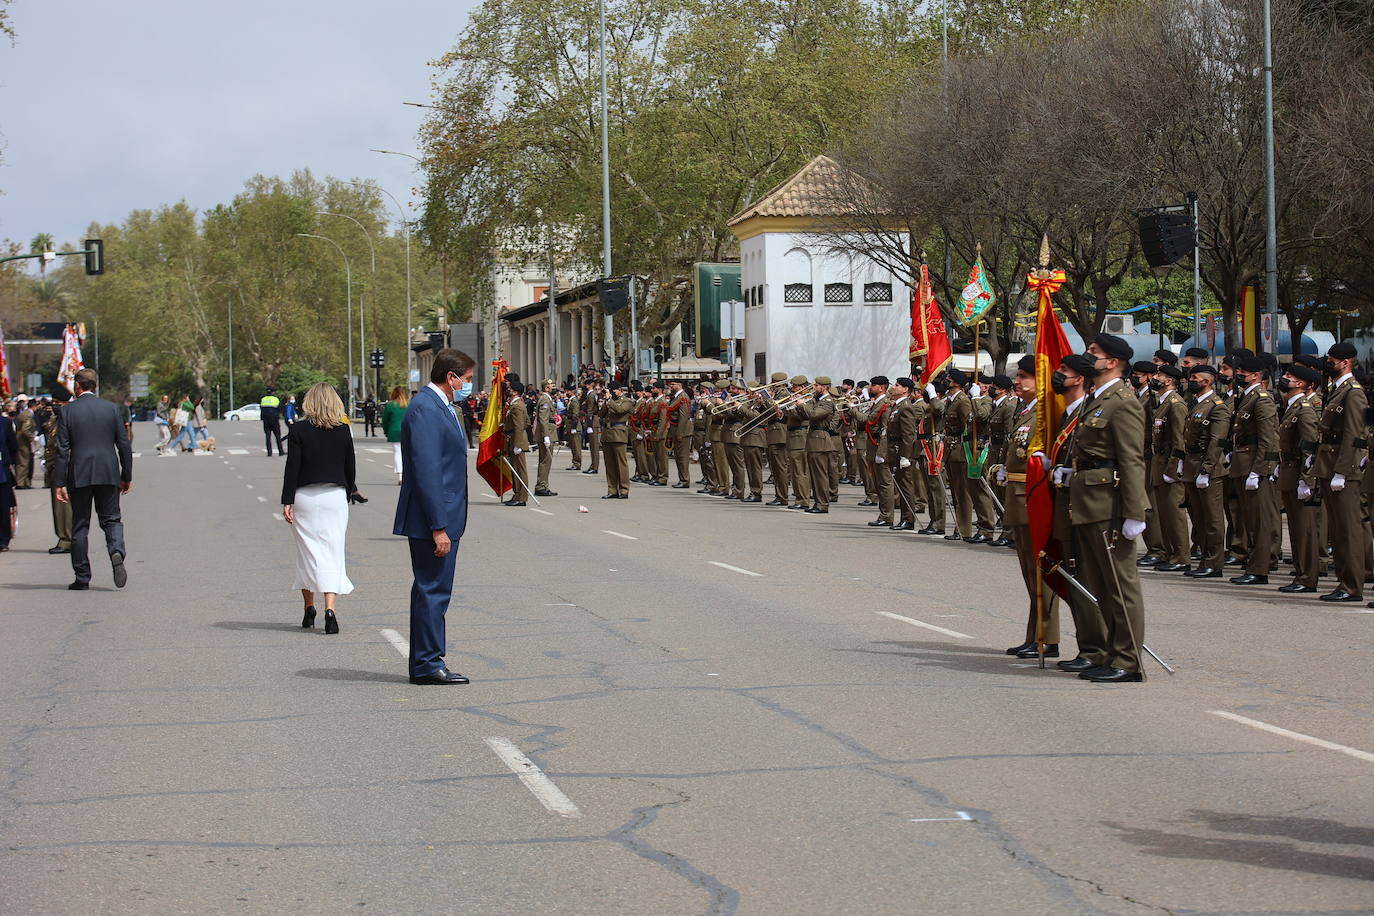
{"x": 936, "y": 532}
{"x": 544, "y": 493}
{"x": 682, "y": 486}
{"x": 865, "y": 502}
{"x": 979, "y": 538}
{"x": 623, "y": 496}
{"x": 442, "y": 676}
{"x": 1010, "y": 542}
{"x": 573, "y": 468}
{"x": 1147, "y": 560}
{"x": 1204, "y": 572}
{"x": 1296, "y": 588}
{"x": 731, "y": 496}
{"x": 591, "y": 471}
{"x": 904, "y": 526}
{"x": 752, "y": 499}
{"x": 799, "y": 506}
{"x": 1017, "y": 650}
{"x": 953, "y": 537}
{"x": 56, "y": 550}
{"x": 999, "y": 542}
{"x": 1075, "y": 664}
{"x": 929, "y": 530}
{"x": 879, "y": 523}
{"x": 776, "y": 502}
{"x": 1340, "y": 594}
{"x": 1163, "y": 566}
{"x": 121, "y": 575}
{"x": 1112, "y": 676}
{"x": 516, "y": 503}
{"x": 1051, "y": 651}
{"x": 610, "y": 496}
{"x": 816, "y": 510}
{"x": 79, "y": 586}
{"x": 1237, "y": 561}
{"x": 1249, "y": 579}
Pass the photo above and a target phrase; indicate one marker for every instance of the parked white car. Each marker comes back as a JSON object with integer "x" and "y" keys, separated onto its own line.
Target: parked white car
{"x": 246, "y": 412}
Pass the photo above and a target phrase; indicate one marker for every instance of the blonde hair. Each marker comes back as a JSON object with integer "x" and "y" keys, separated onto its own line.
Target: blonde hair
{"x": 322, "y": 406}
{"x": 400, "y": 396}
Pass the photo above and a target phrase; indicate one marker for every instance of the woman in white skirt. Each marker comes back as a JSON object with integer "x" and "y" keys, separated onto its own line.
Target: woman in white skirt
{"x": 318, "y": 486}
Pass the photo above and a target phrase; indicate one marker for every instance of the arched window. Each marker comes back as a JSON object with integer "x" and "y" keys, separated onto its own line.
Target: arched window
{"x": 798, "y": 288}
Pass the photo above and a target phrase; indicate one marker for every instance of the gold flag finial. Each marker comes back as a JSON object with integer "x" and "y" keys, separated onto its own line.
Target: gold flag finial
{"x": 978, "y": 249}
{"x": 1045, "y": 250}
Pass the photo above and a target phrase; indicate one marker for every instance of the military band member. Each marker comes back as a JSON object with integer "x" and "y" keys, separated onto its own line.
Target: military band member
{"x": 931, "y": 458}
{"x": 639, "y": 431}
{"x": 979, "y": 448}
{"x": 733, "y": 419}
{"x": 658, "y": 434}
{"x": 1297, "y": 476}
{"x": 903, "y": 421}
{"x": 516, "y": 424}
{"x": 715, "y": 429}
{"x": 875, "y": 416}
{"x": 819, "y": 412}
{"x": 545, "y": 434}
{"x": 1342, "y": 451}
{"x": 775, "y": 433}
{"x": 754, "y": 441}
{"x": 680, "y": 433}
{"x": 615, "y": 437}
{"x": 958, "y": 420}
{"x": 1203, "y": 470}
{"x": 61, "y": 511}
{"x": 849, "y": 457}
{"x": 794, "y": 415}
{"x": 1254, "y": 459}
{"x": 1167, "y": 449}
{"x": 1005, "y": 405}
{"x": 573, "y": 424}
{"x": 591, "y": 411}
{"x": 1141, "y": 374}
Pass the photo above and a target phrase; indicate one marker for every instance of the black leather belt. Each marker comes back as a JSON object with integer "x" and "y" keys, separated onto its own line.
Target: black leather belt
{"x": 1089, "y": 463}
{"x": 621, "y": 425}
{"x": 794, "y": 428}
{"x": 1271, "y": 456}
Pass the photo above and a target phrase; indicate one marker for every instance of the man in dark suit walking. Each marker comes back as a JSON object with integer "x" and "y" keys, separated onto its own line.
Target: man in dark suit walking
{"x": 95, "y": 465}
{"x": 432, "y": 510}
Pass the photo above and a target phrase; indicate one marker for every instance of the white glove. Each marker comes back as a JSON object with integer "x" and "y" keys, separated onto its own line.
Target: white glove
{"x": 975, "y": 390}
{"x": 1061, "y": 476}
{"x": 546, "y": 440}
{"x": 879, "y": 460}
{"x": 589, "y": 430}
{"x": 1202, "y": 481}
{"x": 931, "y": 392}
{"x": 1168, "y": 479}
{"x": 1132, "y": 529}
{"x": 1252, "y": 481}
{"x": 1304, "y": 491}
{"x": 1337, "y": 483}
{"x": 904, "y": 463}
{"x": 518, "y": 450}
{"x": 1044, "y": 460}
{"x": 1001, "y": 476}
{"x": 1180, "y": 467}
{"x": 1274, "y": 475}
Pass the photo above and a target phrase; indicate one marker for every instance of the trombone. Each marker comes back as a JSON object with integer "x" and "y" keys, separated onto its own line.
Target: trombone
{"x": 735, "y": 399}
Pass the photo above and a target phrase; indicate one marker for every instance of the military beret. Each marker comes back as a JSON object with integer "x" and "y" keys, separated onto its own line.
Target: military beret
{"x": 957, "y": 376}
{"x": 1343, "y": 349}
{"x": 1002, "y": 381}
{"x": 1167, "y": 357}
{"x": 861, "y": 383}
{"x": 905, "y": 382}
{"x": 799, "y": 380}
{"x": 1142, "y": 366}
{"x": 879, "y": 380}
{"x": 1242, "y": 351}
{"x": 61, "y": 395}
{"x": 1026, "y": 364}
{"x": 512, "y": 376}
{"x": 1250, "y": 364}
{"x": 1310, "y": 360}
{"x": 1304, "y": 373}
{"x": 847, "y": 381}
{"x": 656, "y": 384}
{"x": 1271, "y": 362}
{"x": 1113, "y": 346}
{"x": 1174, "y": 372}
{"x": 822, "y": 380}
{"x": 517, "y": 387}
{"x": 1204, "y": 369}
{"x": 1080, "y": 363}
{"x": 1197, "y": 353}
{"x": 778, "y": 377}
{"x": 616, "y": 386}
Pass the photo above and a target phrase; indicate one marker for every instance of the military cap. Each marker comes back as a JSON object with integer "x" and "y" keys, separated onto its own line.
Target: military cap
{"x": 1342, "y": 349}
{"x": 656, "y": 384}
{"x": 957, "y": 376}
{"x": 1311, "y": 360}
{"x": 1250, "y": 364}
{"x": 822, "y": 380}
{"x": 847, "y": 381}
{"x": 517, "y": 387}
{"x": 1271, "y": 362}
{"x": 1304, "y": 373}
{"x": 1026, "y": 364}
{"x": 799, "y": 380}
{"x": 549, "y": 381}
{"x": 905, "y": 382}
{"x": 861, "y": 383}
{"x": 1233, "y": 358}
{"x": 1113, "y": 346}
{"x": 1142, "y": 366}
{"x": 1197, "y": 353}
{"x": 61, "y": 395}
{"x": 879, "y": 380}
{"x": 1002, "y": 381}
{"x": 1168, "y": 357}
{"x": 1080, "y": 363}
{"x": 1174, "y": 372}
{"x": 778, "y": 377}
{"x": 1204, "y": 369}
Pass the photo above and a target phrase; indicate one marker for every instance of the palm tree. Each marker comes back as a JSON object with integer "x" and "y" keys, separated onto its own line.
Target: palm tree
{"x": 41, "y": 242}
{"x": 50, "y": 295}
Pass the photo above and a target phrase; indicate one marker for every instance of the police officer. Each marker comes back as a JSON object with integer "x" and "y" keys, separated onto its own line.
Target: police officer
{"x": 269, "y": 411}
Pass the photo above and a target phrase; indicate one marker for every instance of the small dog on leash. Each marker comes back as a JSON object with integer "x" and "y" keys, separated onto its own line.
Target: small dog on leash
{"x": 208, "y": 445}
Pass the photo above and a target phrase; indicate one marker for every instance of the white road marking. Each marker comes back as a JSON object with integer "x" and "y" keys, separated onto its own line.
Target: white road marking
{"x": 379, "y": 451}
{"x": 628, "y": 537}
{"x": 238, "y": 451}
{"x": 1296, "y": 736}
{"x": 491, "y": 496}
{"x": 398, "y": 641}
{"x": 278, "y": 516}
{"x": 1358, "y": 612}
{"x": 369, "y": 459}
{"x": 168, "y": 455}
{"x": 548, "y": 794}
{"x": 929, "y": 626}
{"x": 742, "y": 572}
{"x": 540, "y": 511}
{"x": 138, "y": 454}
{"x": 963, "y": 816}
{"x": 262, "y": 499}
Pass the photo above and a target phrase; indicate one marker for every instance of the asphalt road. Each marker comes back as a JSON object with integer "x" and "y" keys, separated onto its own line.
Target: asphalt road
{"x": 723, "y": 717}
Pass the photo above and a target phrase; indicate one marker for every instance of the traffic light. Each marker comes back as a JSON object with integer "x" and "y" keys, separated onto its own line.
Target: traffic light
{"x": 658, "y": 349}
{"x": 95, "y": 257}
{"x": 378, "y": 360}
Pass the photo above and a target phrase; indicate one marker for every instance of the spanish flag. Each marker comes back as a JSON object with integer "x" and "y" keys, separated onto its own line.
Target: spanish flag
{"x": 1051, "y": 346}
{"x": 930, "y": 340}
{"x": 491, "y": 440}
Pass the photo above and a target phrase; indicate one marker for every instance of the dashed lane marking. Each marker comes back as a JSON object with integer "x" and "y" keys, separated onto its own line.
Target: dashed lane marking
{"x": 262, "y": 499}
{"x": 617, "y": 534}
{"x": 540, "y": 786}
{"x": 278, "y": 516}
{"x": 238, "y": 451}
{"x": 379, "y": 451}
{"x": 248, "y": 485}
{"x": 1296, "y": 736}
{"x": 742, "y": 572}
{"x": 920, "y": 623}
{"x": 963, "y": 816}
{"x": 398, "y": 642}
{"x": 540, "y": 511}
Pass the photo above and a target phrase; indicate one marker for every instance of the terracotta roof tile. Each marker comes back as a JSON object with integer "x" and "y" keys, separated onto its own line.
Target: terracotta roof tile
{"x": 816, "y": 190}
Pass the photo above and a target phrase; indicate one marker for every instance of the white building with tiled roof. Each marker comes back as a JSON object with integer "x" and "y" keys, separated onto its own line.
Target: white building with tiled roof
{"x": 812, "y": 308}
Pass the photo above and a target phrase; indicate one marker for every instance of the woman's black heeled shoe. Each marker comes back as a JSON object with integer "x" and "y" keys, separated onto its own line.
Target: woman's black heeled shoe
{"x": 331, "y": 623}
{"x": 308, "y": 620}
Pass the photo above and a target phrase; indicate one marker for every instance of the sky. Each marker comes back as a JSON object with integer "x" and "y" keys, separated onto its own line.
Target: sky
{"x": 111, "y": 107}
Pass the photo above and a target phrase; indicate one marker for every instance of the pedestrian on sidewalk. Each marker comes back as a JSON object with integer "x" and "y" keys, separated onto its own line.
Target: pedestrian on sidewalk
{"x": 319, "y": 483}
{"x": 162, "y": 416}
{"x": 95, "y": 466}
{"x": 432, "y": 510}
{"x": 393, "y": 414}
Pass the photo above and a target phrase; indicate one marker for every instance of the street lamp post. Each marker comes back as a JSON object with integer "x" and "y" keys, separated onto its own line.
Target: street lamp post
{"x": 405, "y": 228}
{"x": 606, "y": 190}
{"x": 348, "y": 323}
{"x": 362, "y": 337}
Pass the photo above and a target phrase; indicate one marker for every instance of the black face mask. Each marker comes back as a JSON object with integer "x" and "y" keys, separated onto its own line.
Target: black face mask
{"x": 1330, "y": 370}
{"x": 1284, "y": 384}
{"x": 942, "y": 388}
{"x": 1194, "y": 386}
{"x": 1156, "y": 385}
{"x": 1059, "y": 382}
{"x": 1137, "y": 383}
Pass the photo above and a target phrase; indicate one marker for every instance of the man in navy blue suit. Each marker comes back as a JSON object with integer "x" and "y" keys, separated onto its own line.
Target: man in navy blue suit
{"x": 432, "y": 510}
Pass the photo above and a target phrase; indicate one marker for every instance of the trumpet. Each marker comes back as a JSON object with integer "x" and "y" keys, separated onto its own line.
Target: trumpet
{"x": 736, "y": 399}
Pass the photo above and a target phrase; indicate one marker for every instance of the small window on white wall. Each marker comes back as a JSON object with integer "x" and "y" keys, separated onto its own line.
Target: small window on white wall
{"x": 798, "y": 288}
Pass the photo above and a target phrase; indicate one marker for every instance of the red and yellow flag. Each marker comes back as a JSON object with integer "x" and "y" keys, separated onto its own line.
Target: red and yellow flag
{"x": 1051, "y": 346}
{"x": 491, "y": 439}
{"x": 930, "y": 340}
